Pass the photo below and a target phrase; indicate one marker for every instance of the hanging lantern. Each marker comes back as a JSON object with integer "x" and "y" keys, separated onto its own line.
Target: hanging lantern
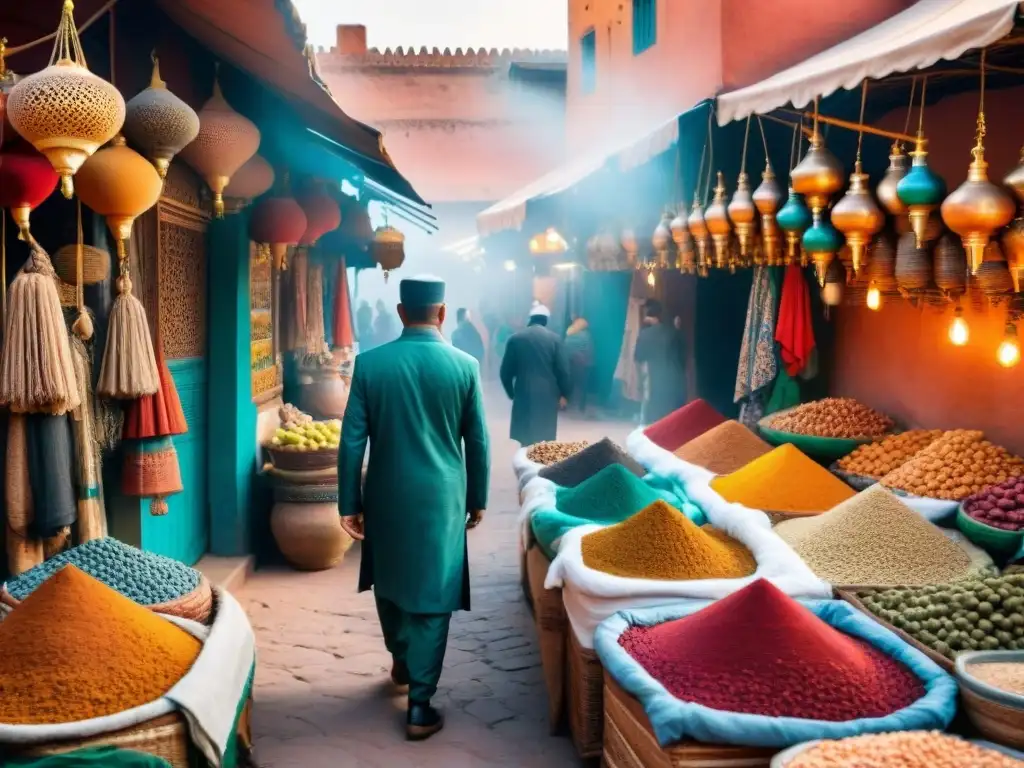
{"x": 950, "y": 266}
{"x": 743, "y": 214}
{"x": 119, "y": 184}
{"x": 8, "y": 80}
{"x": 834, "y": 286}
{"x": 685, "y": 260}
{"x": 661, "y": 239}
{"x": 323, "y": 215}
{"x": 793, "y": 219}
{"x": 65, "y": 111}
{"x": 921, "y": 191}
{"x": 886, "y": 189}
{"x": 768, "y": 198}
{"x": 858, "y": 216}
{"x": 699, "y": 232}
{"x": 388, "y": 249}
{"x": 1013, "y": 237}
{"x": 629, "y": 244}
{"x": 252, "y": 180}
{"x": 716, "y": 217}
{"x": 226, "y": 140}
{"x": 994, "y": 277}
{"x": 821, "y": 242}
{"x": 277, "y": 222}
{"x": 160, "y": 123}
{"x": 26, "y": 180}
{"x": 819, "y": 175}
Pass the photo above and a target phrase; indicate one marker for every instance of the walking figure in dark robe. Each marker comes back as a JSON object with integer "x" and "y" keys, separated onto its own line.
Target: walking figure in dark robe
{"x": 467, "y": 338}
{"x": 659, "y": 350}
{"x": 418, "y": 402}
{"x": 535, "y": 375}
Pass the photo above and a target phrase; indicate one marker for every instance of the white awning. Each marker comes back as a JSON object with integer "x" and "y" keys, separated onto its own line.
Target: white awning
{"x": 926, "y": 32}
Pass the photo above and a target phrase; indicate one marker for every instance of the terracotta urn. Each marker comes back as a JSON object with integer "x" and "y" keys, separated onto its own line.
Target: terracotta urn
{"x": 324, "y": 392}
{"x": 309, "y": 534}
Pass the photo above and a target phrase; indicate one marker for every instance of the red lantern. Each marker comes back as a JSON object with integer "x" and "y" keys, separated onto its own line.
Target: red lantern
{"x": 322, "y": 215}
{"x": 278, "y": 222}
{"x": 26, "y": 179}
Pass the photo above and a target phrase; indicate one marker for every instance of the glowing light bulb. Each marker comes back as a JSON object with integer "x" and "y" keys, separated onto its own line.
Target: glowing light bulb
{"x": 958, "y": 330}
{"x": 874, "y": 299}
{"x": 650, "y": 279}
{"x": 510, "y": 266}
{"x": 1008, "y": 353}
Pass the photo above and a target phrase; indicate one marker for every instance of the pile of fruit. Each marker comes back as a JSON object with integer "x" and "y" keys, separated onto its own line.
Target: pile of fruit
{"x": 878, "y": 459}
{"x": 960, "y": 463}
{"x": 299, "y": 432}
{"x": 972, "y": 615}
{"x": 1000, "y": 506}
{"x": 841, "y": 417}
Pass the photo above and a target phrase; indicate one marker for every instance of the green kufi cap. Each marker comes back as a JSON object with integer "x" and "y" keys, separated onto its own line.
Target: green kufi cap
{"x": 421, "y": 291}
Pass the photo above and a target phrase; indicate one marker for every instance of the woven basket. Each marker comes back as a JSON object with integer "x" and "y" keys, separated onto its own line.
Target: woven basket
{"x": 950, "y": 266}
{"x": 196, "y": 605}
{"x": 629, "y": 741}
{"x": 913, "y": 265}
{"x": 881, "y": 269}
{"x": 304, "y": 461}
{"x": 552, "y": 626}
{"x": 994, "y": 277}
{"x": 95, "y": 264}
{"x": 586, "y": 698}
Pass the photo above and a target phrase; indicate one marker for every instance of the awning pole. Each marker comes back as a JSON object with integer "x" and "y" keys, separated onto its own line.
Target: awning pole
{"x": 850, "y": 125}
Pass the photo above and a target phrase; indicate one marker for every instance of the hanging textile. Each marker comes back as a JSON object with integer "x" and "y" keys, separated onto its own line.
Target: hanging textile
{"x": 795, "y": 331}
{"x": 297, "y": 294}
{"x": 92, "y": 517}
{"x": 627, "y": 371}
{"x": 756, "y": 367}
{"x": 341, "y": 315}
{"x": 315, "y": 331}
{"x": 23, "y": 551}
{"x": 51, "y": 461}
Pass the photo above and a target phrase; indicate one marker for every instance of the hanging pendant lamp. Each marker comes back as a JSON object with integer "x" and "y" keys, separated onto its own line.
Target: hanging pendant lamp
{"x": 65, "y": 111}
{"x": 699, "y": 232}
{"x": 388, "y": 249}
{"x": 8, "y": 80}
{"x": 819, "y": 175}
{"x": 921, "y": 191}
{"x": 1013, "y": 237}
{"x": 226, "y": 140}
{"x": 716, "y": 218}
{"x": 277, "y": 222}
{"x": 743, "y": 215}
{"x": 119, "y": 184}
{"x": 160, "y": 123}
{"x": 858, "y": 216}
{"x": 322, "y": 212}
{"x": 252, "y": 180}
{"x": 821, "y": 242}
{"x": 886, "y": 189}
{"x": 794, "y": 218}
{"x": 768, "y": 198}
{"x": 661, "y": 239}
{"x": 26, "y": 180}
{"x": 685, "y": 256}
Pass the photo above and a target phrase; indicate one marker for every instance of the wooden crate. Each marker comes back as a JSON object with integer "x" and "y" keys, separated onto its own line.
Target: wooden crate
{"x": 586, "y": 698}
{"x": 552, "y": 626}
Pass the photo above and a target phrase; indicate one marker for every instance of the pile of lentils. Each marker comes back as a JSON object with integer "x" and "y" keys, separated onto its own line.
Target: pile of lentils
{"x": 905, "y": 749}
{"x": 878, "y": 459}
{"x": 660, "y": 542}
{"x": 724, "y": 449}
{"x": 551, "y": 451}
{"x": 684, "y": 424}
{"x": 960, "y": 463}
{"x": 144, "y": 577}
{"x": 971, "y": 615}
{"x": 875, "y": 539}
{"x": 760, "y": 652}
{"x": 833, "y": 417}
{"x": 1005, "y": 675}
{"x": 573, "y": 470}
{"x": 1001, "y": 506}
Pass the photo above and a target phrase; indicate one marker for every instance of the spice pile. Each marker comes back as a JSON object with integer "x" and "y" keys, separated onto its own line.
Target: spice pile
{"x": 973, "y": 615}
{"x": 144, "y": 577}
{"x": 76, "y": 649}
{"x": 784, "y": 480}
{"x": 573, "y": 470}
{"x": 880, "y": 458}
{"x": 762, "y": 653}
{"x": 906, "y": 749}
{"x": 960, "y": 463}
{"x": 724, "y": 448}
{"x": 661, "y": 543}
{"x": 1000, "y": 506}
{"x": 551, "y": 451}
{"x": 833, "y": 417}
{"x": 683, "y": 425}
{"x": 874, "y": 538}
{"x": 1004, "y": 675}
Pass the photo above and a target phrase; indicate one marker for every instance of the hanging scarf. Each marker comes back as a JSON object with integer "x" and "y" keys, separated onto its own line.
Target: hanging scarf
{"x": 626, "y": 370}
{"x": 757, "y": 366}
{"x": 794, "y": 330}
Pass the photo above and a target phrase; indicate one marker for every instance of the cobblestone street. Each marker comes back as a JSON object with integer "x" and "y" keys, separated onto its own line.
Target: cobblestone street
{"x": 323, "y": 697}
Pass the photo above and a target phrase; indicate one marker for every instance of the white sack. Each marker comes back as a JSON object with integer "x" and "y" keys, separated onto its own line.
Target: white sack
{"x": 525, "y": 469}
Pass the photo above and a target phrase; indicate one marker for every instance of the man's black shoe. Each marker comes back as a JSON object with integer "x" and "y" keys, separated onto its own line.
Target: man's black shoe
{"x": 422, "y": 722}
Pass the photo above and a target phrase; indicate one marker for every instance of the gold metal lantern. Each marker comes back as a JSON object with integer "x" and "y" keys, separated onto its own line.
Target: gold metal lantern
{"x": 388, "y": 249}
{"x": 819, "y": 175}
{"x": 858, "y": 217}
{"x": 699, "y": 232}
{"x": 899, "y": 164}
{"x": 225, "y": 142}
{"x": 1013, "y": 236}
{"x": 768, "y": 198}
{"x": 661, "y": 240}
{"x": 716, "y": 218}
{"x": 65, "y": 111}
{"x": 743, "y": 215}
{"x": 160, "y": 123}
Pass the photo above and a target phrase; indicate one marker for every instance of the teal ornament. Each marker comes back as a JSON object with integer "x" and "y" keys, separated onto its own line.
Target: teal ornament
{"x": 921, "y": 190}
{"x": 822, "y": 241}
{"x": 793, "y": 218}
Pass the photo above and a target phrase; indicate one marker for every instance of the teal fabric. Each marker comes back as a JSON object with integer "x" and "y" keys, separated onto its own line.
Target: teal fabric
{"x": 419, "y": 641}
{"x": 417, "y": 402}
{"x": 98, "y": 757}
{"x": 674, "y": 720}
{"x": 605, "y": 303}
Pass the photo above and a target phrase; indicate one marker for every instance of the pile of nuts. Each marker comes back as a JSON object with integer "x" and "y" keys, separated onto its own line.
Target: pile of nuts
{"x": 960, "y": 463}
{"x": 907, "y": 749}
{"x": 551, "y": 452}
{"x": 880, "y": 458}
{"x": 833, "y": 417}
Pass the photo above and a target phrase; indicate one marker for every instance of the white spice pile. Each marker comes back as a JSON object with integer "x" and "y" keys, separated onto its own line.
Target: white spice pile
{"x": 875, "y": 539}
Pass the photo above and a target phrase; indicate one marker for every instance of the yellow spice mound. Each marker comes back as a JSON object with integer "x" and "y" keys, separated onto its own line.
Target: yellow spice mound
{"x": 784, "y": 480}
{"x": 660, "y": 542}
{"x": 76, "y": 649}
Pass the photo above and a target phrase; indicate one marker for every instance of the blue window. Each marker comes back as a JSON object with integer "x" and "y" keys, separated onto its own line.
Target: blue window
{"x": 645, "y": 25}
{"x": 588, "y": 60}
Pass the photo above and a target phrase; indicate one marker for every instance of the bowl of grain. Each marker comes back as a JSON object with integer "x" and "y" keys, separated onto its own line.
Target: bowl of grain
{"x": 992, "y": 690}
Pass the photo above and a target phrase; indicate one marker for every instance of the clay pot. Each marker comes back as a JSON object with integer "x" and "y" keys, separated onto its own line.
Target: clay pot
{"x": 309, "y": 535}
{"x": 324, "y": 393}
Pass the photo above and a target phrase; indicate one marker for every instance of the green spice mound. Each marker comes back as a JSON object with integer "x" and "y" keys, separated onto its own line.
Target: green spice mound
{"x": 144, "y": 577}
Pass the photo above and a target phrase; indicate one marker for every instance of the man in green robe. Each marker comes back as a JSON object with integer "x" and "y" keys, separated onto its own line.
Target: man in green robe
{"x": 418, "y": 402}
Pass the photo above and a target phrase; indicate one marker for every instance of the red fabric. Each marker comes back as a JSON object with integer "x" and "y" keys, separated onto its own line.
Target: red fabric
{"x": 341, "y": 321}
{"x": 683, "y": 425}
{"x": 760, "y": 652}
{"x": 158, "y": 415}
{"x": 794, "y": 329}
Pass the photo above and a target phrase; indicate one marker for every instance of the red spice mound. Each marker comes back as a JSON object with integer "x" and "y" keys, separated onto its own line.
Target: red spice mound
{"x": 762, "y": 653}
{"x": 682, "y": 425}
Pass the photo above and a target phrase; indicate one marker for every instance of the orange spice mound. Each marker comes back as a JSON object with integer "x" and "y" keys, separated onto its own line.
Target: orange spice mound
{"x": 660, "y": 542}
{"x": 75, "y": 649}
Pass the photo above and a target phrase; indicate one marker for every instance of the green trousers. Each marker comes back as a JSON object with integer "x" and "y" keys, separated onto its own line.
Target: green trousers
{"x": 417, "y": 640}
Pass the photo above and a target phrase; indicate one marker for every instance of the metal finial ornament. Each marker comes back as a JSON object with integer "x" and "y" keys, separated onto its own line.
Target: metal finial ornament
{"x": 886, "y": 189}
{"x": 717, "y": 219}
{"x": 768, "y": 198}
{"x": 699, "y": 232}
{"x": 858, "y": 216}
